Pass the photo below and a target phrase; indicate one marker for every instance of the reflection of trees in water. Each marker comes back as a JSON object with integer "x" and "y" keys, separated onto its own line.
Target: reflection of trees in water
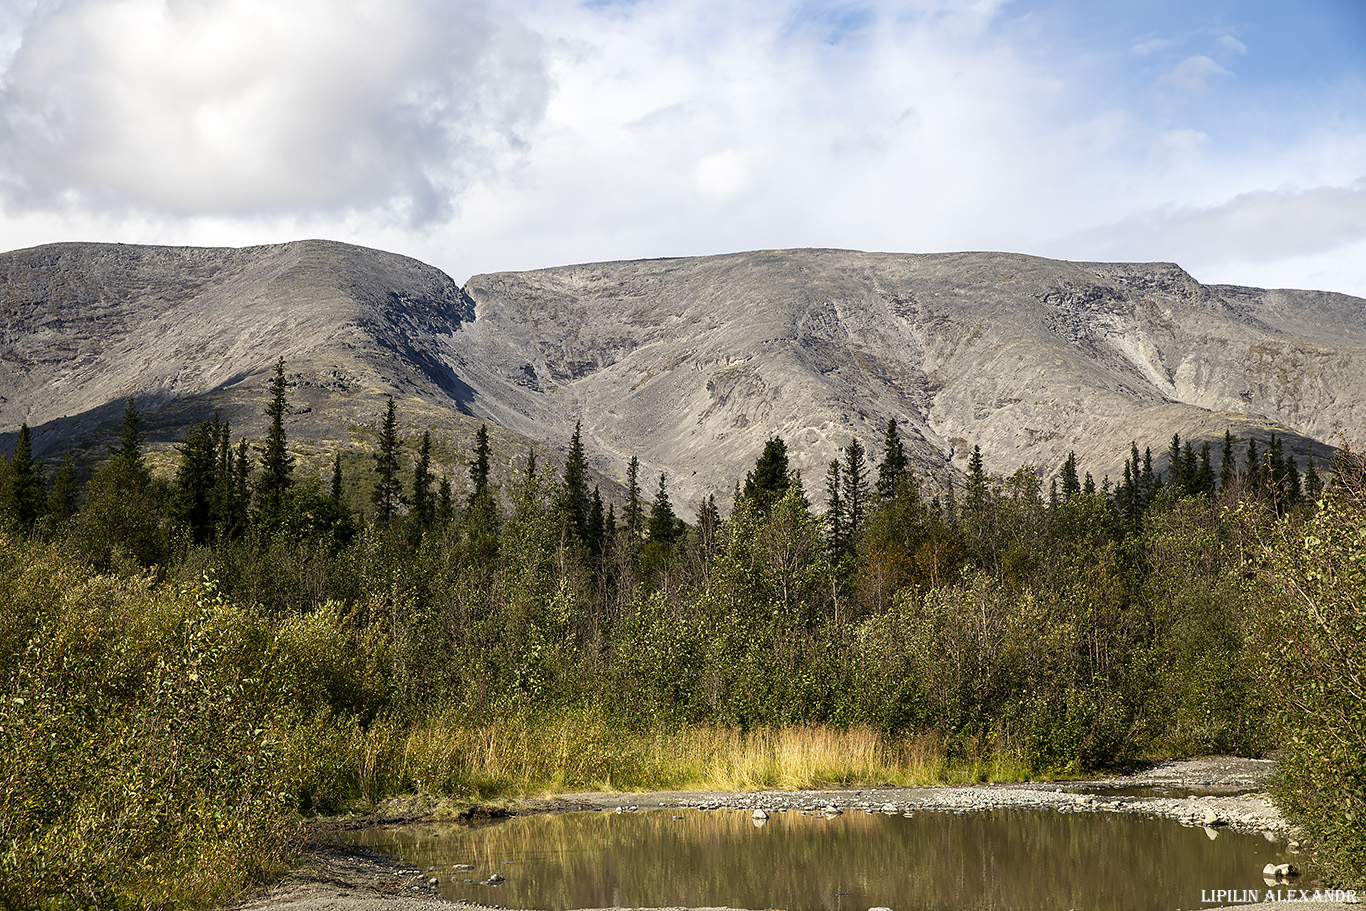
{"x": 999, "y": 859}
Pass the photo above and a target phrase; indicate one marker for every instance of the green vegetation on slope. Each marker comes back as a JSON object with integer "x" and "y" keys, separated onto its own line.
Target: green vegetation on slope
{"x": 190, "y": 668}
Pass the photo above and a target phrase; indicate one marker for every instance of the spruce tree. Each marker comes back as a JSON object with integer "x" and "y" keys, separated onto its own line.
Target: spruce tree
{"x": 423, "y": 507}
{"x": 893, "y": 465}
{"x": 197, "y": 478}
{"x": 1294, "y": 489}
{"x": 388, "y": 494}
{"x": 227, "y": 517}
{"x": 633, "y": 516}
{"x": 1147, "y": 480}
{"x": 122, "y": 516}
{"x": 338, "y": 513}
{"x": 483, "y": 517}
{"x": 975, "y": 495}
{"x": 1176, "y": 478}
{"x": 1313, "y": 481}
{"x": 768, "y": 482}
{"x": 1204, "y": 478}
{"x": 445, "y": 502}
{"x": 479, "y": 467}
{"x": 241, "y": 483}
{"x": 597, "y": 524}
{"x": 25, "y": 491}
{"x": 573, "y": 499}
{"x": 663, "y": 525}
{"x": 1071, "y": 482}
{"x": 61, "y": 501}
{"x": 855, "y": 491}
{"x": 277, "y": 465}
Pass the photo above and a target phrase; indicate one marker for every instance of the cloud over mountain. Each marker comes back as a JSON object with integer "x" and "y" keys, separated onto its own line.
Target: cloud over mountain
{"x": 247, "y": 107}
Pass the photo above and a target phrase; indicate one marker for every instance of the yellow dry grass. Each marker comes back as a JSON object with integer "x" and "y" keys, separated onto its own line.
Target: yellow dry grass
{"x": 582, "y": 751}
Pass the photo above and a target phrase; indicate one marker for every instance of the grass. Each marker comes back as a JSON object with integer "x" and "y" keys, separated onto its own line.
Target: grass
{"x": 576, "y": 751}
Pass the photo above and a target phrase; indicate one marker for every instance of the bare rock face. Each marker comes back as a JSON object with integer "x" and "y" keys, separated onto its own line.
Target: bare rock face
{"x": 693, "y": 363}
{"x": 194, "y": 331}
{"x": 690, "y": 364}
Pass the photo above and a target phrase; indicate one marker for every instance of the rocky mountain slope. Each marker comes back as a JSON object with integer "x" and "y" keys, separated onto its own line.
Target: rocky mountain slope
{"x": 691, "y": 364}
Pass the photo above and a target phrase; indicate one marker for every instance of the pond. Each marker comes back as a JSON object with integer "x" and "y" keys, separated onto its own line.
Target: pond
{"x": 999, "y": 859}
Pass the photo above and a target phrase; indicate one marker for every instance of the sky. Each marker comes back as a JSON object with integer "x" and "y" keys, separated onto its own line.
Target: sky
{"x": 1228, "y": 136}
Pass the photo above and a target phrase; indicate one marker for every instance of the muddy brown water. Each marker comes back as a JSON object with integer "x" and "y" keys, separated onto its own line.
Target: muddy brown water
{"x": 998, "y": 859}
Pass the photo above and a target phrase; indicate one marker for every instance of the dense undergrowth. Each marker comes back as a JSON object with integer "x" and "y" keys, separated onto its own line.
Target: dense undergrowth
{"x": 191, "y": 668}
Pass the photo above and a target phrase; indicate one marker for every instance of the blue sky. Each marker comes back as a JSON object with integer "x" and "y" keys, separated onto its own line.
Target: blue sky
{"x": 1226, "y": 135}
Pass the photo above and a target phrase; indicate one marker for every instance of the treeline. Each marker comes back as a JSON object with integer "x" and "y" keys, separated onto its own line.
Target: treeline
{"x": 1066, "y": 624}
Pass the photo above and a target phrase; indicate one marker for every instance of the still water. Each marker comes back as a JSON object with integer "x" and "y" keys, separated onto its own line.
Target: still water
{"x": 1002, "y": 859}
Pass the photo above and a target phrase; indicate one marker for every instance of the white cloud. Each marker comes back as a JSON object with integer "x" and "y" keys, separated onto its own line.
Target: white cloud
{"x": 1231, "y": 44}
{"x": 1268, "y": 228}
{"x": 524, "y": 133}
{"x": 1193, "y": 74}
{"x": 243, "y": 107}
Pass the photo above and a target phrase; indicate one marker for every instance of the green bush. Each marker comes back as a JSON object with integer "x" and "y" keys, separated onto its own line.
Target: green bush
{"x": 137, "y": 767}
{"x": 1313, "y": 665}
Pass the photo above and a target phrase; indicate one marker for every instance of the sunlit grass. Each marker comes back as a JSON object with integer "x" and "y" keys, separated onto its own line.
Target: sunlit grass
{"x": 582, "y": 751}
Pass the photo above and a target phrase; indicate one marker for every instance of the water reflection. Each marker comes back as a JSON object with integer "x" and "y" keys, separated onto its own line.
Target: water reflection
{"x": 1004, "y": 859}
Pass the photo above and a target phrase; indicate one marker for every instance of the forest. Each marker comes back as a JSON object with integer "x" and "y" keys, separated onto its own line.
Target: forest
{"x": 196, "y": 664}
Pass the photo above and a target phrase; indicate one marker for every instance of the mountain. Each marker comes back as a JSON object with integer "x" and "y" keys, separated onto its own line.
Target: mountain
{"x": 690, "y": 364}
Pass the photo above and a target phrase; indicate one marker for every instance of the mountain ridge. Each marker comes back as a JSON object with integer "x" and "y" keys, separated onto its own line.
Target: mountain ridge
{"x": 689, "y": 363}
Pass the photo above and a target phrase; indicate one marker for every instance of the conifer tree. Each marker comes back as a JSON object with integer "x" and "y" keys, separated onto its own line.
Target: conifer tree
{"x": 197, "y": 477}
{"x": 975, "y": 495}
{"x": 25, "y": 491}
{"x": 334, "y": 487}
{"x": 241, "y": 482}
{"x": 1294, "y": 489}
{"x": 1148, "y": 483}
{"x": 479, "y": 467}
{"x": 663, "y": 524}
{"x": 1313, "y": 481}
{"x": 633, "y": 516}
{"x": 227, "y": 515}
{"x": 423, "y": 507}
{"x": 1071, "y": 482}
{"x": 573, "y": 500}
{"x": 61, "y": 501}
{"x": 597, "y": 524}
{"x": 483, "y": 514}
{"x": 768, "y": 482}
{"x": 893, "y": 465}
{"x": 338, "y": 513}
{"x": 1176, "y": 478}
{"x": 855, "y": 492}
{"x": 388, "y": 495}
{"x": 1204, "y": 482}
{"x": 445, "y": 502}
{"x": 121, "y": 515}
{"x": 277, "y": 465}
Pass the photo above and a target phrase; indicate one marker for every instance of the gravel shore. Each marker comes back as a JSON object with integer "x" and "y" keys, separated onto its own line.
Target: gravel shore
{"x": 1227, "y": 794}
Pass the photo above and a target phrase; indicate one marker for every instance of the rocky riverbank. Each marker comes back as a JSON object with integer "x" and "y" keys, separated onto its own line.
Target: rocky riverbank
{"x": 1215, "y": 792}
